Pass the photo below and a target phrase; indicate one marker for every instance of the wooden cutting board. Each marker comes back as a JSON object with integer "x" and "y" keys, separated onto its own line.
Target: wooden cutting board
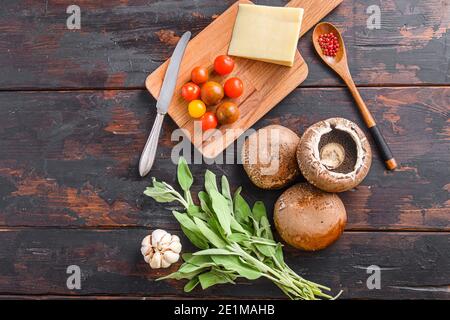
{"x": 265, "y": 84}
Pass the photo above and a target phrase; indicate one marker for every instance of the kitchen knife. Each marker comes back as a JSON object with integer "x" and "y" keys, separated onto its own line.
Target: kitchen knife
{"x": 162, "y": 105}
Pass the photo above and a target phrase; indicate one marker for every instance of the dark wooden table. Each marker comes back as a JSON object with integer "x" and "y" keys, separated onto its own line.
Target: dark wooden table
{"x": 74, "y": 117}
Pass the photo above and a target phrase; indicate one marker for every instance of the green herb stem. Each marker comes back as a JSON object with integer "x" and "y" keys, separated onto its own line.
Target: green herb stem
{"x": 235, "y": 240}
{"x": 177, "y": 195}
{"x": 283, "y": 276}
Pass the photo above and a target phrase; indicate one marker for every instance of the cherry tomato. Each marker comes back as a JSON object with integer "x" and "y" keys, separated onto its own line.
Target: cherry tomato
{"x": 199, "y": 75}
{"x": 212, "y": 93}
{"x": 233, "y": 87}
{"x": 196, "y": 108}
{"x": 227, "y": 112}
{"x": 209, "y": 121}
{"x": 223, "y": 65}
{"x": 190, "y": 91}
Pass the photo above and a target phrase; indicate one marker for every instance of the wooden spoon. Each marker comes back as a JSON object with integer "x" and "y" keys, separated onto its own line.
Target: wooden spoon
{"x": 340, "y": 66}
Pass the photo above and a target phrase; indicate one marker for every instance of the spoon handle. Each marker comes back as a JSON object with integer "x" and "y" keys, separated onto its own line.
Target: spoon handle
{"x": 377, "y": 136}
{"x": 383, "y": 148}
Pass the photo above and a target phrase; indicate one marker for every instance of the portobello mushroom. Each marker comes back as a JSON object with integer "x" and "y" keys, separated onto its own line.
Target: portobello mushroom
{"x": 334, "y": 155}
{"x": 308, "y": 218}
{"x": 269, "y": 157}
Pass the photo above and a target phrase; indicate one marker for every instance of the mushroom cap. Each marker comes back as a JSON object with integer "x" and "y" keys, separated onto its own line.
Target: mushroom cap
{"x": 308, "y": 218}
{"x": 339, "y": 172}
{"x": 269, "y": 157}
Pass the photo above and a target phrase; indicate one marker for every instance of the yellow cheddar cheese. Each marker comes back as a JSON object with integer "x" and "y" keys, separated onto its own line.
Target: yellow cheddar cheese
{"x": 266, "y": 33}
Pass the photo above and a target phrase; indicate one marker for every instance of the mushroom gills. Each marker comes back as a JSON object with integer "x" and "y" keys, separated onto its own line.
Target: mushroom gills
{"x": 332, "y": 155}
{"x": 338, "y": 151}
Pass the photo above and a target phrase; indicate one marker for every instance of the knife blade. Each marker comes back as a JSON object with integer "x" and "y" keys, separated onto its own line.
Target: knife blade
{"x": 162, "y": 105}
{"x": 170, "y": 79}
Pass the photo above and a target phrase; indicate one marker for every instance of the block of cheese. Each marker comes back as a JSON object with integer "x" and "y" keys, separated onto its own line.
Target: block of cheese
{"x": 266, "y": 33}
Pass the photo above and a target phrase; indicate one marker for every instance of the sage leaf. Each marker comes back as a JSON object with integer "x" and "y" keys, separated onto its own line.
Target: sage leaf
{"x": 184, "y": 175}
{"x": 226, "y": 191}
{"x": 186, "y": 256}
{"x": 265, "y": 226}
{"x": 186, "y": 222}
{"x": 222, "y": 210}
{"x": 259, "y": 210}
{"x": 215, "y": 226}
{"x": 256, "y": 228}
{"x": 160, "y": 195}
{"x": 158, "y": 184}
{"x": 196, "y": 211}
{"x": 211, "y": 278}
{"x": 238, "y": 237}
{"x": 266, "y": 250}
{"x": 195, "y": 239}
{"x": 210, "y": 182}
{"x": 229, "y": 274}
{"x": 191, "y": 284}
{"x": 180, "y": 275}
{"x": 205, "y": 202}
{"x": 209, "y": 234}
{"x": 214, "y": 251}
{"x": 234, "y": 263}
{"x": 198, "y": 259}
{"x": 241, "y": 208}
{"x": 279, "y": 254}
{"x": 236, "y": 226}
{"x": 262, "y": 240}
{"x": 191, "y": 230}
{"x": 191, "y": 268}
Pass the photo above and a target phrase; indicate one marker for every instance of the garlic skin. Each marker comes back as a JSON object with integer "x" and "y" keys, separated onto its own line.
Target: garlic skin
{"x": 161, "y": 249}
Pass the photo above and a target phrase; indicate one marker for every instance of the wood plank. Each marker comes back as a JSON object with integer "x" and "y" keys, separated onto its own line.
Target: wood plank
{"x": 120, "y": 44}
{"x": 414, "y": 265}
{"x": 70, "y": 158}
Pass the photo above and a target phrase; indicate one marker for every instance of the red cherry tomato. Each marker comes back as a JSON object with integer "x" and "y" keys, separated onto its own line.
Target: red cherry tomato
{"x": 190, "y": 91}
{"x": 199, "y": 75}
{"x": 209, "y": 121}
{"x": 223, "y": 65}
{"x": 233, "y": 87}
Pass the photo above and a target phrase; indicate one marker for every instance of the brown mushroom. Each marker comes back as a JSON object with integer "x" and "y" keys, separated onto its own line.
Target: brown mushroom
{"x": 269, "y": 157}
{"x": 334, "y": 155}
{"x": 308, "y": 218}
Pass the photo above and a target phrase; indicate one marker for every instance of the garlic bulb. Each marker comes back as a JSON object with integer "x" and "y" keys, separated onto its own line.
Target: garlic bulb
{"x": 161, "y": 249}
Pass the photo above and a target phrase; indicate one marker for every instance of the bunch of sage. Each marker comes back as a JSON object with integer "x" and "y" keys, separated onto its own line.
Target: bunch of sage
{"x": 235, "y": 240}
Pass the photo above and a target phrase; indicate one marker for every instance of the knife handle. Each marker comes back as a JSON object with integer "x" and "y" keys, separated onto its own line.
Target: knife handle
{"x": 149, "y": 152}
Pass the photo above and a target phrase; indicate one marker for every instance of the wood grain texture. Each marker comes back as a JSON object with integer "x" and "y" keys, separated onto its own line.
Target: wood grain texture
{"x": 120, "y": 43}
{"x": 70, "y": 192}
{"x": 35, "y": 262}
{"x": 70, "y": 158}
{"x": 258, "y": 98}
{"x": 314, "y": 11}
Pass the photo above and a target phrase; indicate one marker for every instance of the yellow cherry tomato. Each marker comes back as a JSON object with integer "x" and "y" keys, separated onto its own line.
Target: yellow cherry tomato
{"x": 196, "y": 108}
